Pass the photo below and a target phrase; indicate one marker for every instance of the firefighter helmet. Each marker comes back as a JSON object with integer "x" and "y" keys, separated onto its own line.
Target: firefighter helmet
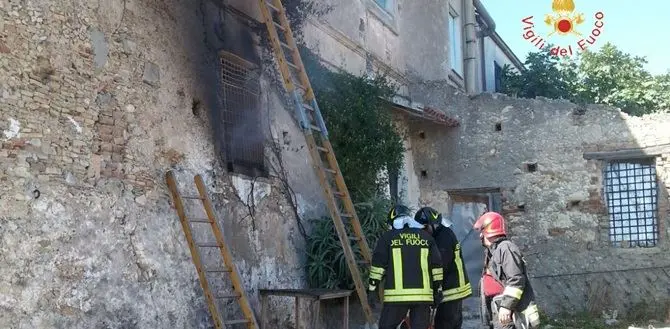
{"x": 397, "y": 211}
{"x": 491, "y": 224}
{"x": 428, "y": 215}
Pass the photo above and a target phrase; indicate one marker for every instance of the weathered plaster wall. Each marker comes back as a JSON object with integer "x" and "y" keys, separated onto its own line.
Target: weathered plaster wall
{"x": 95, "y": 105}
{"x": 557, "y": 214}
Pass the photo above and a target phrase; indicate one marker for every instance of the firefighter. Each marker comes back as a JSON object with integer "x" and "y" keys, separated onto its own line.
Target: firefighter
{"x": 410, "y": 261}
{"x": 515, "y": 307}
{"x": 456, "y": 285}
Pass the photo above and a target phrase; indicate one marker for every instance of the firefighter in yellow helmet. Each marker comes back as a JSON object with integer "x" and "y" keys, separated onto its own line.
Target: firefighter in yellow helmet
{"x": 409, "y": 259}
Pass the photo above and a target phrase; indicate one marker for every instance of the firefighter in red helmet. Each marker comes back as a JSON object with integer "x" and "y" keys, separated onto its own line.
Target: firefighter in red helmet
{"x": 515, "y": 307}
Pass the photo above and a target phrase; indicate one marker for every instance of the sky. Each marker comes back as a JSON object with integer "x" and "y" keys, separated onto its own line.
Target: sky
{"x": 640, "y": 28}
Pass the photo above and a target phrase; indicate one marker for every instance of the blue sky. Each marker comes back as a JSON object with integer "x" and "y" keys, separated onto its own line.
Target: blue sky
{"x": 639, "y": 27}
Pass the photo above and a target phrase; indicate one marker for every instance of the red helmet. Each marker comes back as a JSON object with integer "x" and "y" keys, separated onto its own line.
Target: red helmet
{"x": 490, "y": 224}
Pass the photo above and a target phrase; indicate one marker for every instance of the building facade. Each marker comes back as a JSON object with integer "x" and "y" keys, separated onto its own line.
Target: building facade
{"x": 99, "y": 98}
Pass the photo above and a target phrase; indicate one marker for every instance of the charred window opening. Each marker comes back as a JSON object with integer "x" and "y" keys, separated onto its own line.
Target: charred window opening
{"x": 241, "y": 117}
{"x": 632, "y": 203}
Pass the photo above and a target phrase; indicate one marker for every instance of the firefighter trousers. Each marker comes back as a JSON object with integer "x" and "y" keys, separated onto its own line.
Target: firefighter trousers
{"x": 394, "y": 313}
{"x": 449, "y": 315}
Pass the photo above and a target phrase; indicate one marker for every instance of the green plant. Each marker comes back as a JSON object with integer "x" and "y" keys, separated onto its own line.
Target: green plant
{"x": 360, "y": 124}
{"x": 326, "y": 265}
{"x": 607, "y": 76}
{"x": 363, "y": 135}
{"x": 583, "y": 320}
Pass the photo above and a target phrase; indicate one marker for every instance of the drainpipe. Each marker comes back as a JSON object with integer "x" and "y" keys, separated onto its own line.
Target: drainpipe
{"x": 470, "y": 47}
{"x": 490, "y": 24}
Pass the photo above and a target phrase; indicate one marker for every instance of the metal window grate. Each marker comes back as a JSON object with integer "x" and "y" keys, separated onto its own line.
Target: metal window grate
{"x": 244, "y": 140}
{"x": 632, "y": 202}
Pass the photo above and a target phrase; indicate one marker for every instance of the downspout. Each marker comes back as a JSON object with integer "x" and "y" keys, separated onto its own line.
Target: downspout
{"x": 482, "y": 60}
{"x": 490, "y": 24}
{"x": 470, "y": 48}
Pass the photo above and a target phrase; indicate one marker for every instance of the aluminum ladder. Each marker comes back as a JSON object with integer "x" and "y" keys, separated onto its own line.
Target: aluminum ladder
{"x": 229, "y": 267}
{"x": 297, "y": 84}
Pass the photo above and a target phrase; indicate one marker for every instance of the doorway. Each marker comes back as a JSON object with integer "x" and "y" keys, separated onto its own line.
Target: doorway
{"x": 466, "y": 207}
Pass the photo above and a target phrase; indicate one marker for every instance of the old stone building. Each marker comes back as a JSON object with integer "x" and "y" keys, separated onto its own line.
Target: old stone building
{"x": 584, "y": 190}
{"x": 593, "y": 242}
{"x": 99, "y": 98}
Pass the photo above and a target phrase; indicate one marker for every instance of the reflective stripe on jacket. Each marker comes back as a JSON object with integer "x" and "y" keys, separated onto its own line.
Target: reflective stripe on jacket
{"x": 411, "y": 263}
{"x": 456, "y": 284}
{"x": 507, "y": 265}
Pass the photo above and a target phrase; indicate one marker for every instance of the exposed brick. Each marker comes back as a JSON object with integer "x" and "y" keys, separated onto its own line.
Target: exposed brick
{"x": 556, "y": 231}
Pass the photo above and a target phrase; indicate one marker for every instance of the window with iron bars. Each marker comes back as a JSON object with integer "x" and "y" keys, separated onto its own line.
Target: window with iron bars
{"x": 241, "y": 117}
{"x": 632, "y": 202}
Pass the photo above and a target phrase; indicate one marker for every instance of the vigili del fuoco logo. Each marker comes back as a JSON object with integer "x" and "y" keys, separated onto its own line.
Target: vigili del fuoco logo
{"x": 565, "y": 22}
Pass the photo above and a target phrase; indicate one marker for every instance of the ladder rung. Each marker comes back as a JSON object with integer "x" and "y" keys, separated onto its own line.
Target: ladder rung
{"x": 330, "y": 170}
{"x": 322, "y": 149}
{"x": 339, "y": 194}
{"x": 207, "y": 245}
{"x": 191, "y": 197}
{"x": 228, "y": 296}
{"x": 354, "y": 238}
{"x": 286, "y": 45}
{"x": 271, "y": 6}
{"x": 313, "y": 127}
{"x": 199, "y": 220}
{"x": 346, "y": 216}
{"x": 295, "y": 67}
{"x": 279, "y": 26}
{"x": 235, "y": 321}
{"x": 307, "y": 106}
{"x": 218, "y": 270}
{"x": 362, "y": 262}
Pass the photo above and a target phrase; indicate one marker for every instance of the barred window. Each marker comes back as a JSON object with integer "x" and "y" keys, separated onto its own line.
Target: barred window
{"x": 632, "y": 203}
{"x": 243, "y": 140}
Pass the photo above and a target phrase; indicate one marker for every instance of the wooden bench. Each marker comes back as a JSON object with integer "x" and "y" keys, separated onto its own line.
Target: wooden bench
{"x": 310, "y": 294}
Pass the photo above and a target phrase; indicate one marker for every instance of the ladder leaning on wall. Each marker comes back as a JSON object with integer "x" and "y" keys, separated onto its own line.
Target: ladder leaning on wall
{"x": 297, "y": 84}
{"x": 228, "y": 268}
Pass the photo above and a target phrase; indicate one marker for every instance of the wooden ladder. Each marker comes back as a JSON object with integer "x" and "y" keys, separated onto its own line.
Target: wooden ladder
{"x": 229, "y": 267}
{"x": 297, "y": 84}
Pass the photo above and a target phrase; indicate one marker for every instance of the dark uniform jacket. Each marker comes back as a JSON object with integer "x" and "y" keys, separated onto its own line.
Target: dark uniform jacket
{"x": 507, "y": 265}
{"x": 411, "y": 262}
{"x": 456, "y": 284}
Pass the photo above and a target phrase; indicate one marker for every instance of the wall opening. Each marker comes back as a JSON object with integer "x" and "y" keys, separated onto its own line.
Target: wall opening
{"x": 394, "y": 189}
{"x": 244, "y": 139}
{"x": 195, "y": 107}
{"x": 631, "y": 192}
{"x": 531, "y": 166}
{"x": 466, "y": 207}
{"x": 498, "y": 126}
{"x": 422, "y": 135}
{"x": 424, "y": 173}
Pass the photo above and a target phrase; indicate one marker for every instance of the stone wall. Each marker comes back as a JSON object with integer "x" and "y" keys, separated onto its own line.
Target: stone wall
{"x": 532, "y": 154}
{"x": 97, "y": 100}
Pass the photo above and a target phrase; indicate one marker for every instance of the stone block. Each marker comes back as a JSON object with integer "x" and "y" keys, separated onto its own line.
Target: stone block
{"x": 128, "y": 46}
{"x": 53, "y": 171}
{"x": 106, "y": 120}
{"x": 151, "y": 75}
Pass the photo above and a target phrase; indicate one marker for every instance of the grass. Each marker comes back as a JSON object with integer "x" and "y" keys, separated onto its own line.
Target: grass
{"x": 640, "y": 315}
